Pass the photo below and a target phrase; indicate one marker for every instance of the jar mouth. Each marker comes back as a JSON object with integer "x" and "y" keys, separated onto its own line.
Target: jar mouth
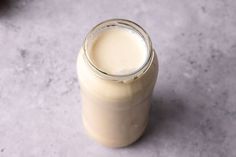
{"x": 120, "y": 23}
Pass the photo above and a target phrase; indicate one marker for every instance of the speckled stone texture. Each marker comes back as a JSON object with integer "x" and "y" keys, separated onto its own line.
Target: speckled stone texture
{"x": 194, "y": 103}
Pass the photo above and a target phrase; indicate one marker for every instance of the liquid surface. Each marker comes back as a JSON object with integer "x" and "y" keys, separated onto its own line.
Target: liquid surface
{"x": 118, "y": 51}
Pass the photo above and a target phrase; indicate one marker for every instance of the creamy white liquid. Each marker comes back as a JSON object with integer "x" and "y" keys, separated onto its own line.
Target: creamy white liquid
{"x": 118, "y": 51}
{"x": 116, "y": 113}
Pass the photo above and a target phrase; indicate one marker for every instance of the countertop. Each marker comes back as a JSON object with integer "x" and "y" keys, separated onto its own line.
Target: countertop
{"x": 194, "y": 101}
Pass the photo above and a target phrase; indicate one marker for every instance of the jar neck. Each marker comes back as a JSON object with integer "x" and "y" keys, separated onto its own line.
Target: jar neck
{"x": 125, "y": 24}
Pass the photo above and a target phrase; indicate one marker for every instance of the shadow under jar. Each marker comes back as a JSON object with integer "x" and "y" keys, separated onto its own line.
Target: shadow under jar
{"x": 117, "y": 70}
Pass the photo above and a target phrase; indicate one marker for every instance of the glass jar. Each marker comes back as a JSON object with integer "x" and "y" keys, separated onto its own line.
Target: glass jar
{"x": 115, "y": 108}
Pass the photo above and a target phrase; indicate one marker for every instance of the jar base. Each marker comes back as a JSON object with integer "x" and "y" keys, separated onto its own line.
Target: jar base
{"x": 107, "y": 143}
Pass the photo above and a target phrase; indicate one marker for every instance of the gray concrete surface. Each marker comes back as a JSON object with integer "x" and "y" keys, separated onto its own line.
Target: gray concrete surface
{"x": 194, "y": 103}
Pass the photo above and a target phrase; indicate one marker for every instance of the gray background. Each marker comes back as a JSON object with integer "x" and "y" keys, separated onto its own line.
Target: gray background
{"x": 194, "y": 109}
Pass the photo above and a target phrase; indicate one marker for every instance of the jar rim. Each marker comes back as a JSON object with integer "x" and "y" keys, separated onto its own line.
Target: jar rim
{"x": 127, "y": 24}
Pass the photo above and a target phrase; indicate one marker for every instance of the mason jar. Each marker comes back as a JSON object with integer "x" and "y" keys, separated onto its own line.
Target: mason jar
{"x": 115, "y": 106}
